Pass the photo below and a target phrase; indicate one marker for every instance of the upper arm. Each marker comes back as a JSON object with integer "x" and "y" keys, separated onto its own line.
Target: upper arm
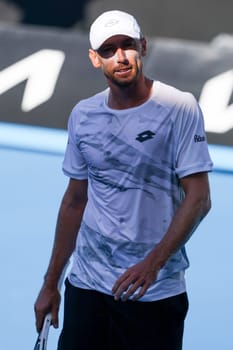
{"x": 198, "y": 183}
{"x": 197, "y": 189}
{"x": 76, "y": 192}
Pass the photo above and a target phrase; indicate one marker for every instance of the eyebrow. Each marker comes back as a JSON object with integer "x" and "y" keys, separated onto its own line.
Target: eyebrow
{"x": 122, "y": 42}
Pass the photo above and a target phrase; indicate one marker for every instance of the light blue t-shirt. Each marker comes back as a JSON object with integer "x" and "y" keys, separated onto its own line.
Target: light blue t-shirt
{"x": 133, "y": 159}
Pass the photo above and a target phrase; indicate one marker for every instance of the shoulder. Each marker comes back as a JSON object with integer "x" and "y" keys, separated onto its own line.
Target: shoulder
{"x": 172, "y": 97}
{"x": 86, "y": 106}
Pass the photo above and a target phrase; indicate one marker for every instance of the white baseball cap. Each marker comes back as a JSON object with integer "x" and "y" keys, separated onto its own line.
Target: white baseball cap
{"x": 112, "y": 23}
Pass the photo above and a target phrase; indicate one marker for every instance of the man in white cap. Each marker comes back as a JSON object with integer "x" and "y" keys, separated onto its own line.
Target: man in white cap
{"x": 138, "y": 189}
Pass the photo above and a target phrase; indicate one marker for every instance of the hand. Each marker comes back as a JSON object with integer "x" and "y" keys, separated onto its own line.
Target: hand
{"x": 139, "y": 276}
{"x": 48, "y": 301}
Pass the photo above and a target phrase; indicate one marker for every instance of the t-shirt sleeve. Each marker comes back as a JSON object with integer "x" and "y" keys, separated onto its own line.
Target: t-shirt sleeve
{"x": 74, "y": 165}
{"x": 192, "y": 154}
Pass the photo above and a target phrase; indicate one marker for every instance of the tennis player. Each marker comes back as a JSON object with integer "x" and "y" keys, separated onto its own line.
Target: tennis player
{"x": 138, "y": 163}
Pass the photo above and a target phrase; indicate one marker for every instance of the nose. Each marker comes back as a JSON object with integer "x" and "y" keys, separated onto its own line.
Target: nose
{"x": 121, "y": 55}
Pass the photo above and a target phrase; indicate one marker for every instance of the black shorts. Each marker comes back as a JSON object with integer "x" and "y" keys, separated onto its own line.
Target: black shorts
{"x": 93, "y": 320}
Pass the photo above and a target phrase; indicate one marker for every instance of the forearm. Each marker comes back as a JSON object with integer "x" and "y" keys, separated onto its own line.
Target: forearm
{"x": 68, "y": 223}
{"x": 186, "y": 219}
{"x": 64, "y": 243}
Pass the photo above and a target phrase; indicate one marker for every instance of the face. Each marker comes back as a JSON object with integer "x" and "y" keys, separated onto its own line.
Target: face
{"x": 120, "y": 58}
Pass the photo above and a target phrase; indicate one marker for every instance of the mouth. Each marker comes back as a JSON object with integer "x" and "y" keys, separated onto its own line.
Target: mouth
{"x": 123, "y": 71}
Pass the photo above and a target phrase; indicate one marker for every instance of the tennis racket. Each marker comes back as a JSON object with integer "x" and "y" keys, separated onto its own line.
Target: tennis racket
{"x": 41, "y": 342}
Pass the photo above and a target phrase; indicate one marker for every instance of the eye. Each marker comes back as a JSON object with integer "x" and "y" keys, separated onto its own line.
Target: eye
{"x": 107, "y": 51}
{"x": 129, "y": 44}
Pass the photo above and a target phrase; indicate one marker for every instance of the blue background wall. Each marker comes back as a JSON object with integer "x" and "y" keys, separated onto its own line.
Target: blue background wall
{"x": 32, "y": 185}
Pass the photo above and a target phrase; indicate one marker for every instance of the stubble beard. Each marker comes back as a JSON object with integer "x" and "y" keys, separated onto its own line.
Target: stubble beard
{"x": 121, "y": 82}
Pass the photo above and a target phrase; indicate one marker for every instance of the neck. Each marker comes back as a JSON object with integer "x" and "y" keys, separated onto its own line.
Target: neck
{"x": 122, "y": 97}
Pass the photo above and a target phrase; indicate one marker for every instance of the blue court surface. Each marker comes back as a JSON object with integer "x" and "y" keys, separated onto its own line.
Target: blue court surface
{"x": 32, "y": 185}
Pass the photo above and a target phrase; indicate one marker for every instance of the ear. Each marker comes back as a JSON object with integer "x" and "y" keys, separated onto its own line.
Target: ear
{"x": 143, "y": 47}
{"x": 94, "y": 57}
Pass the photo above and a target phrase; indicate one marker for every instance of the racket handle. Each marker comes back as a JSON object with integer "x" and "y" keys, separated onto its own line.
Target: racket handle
{"x": 45, "y": 332}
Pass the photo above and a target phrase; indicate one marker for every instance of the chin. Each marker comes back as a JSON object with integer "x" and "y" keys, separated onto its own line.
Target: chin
{"x": 124, "y": 82}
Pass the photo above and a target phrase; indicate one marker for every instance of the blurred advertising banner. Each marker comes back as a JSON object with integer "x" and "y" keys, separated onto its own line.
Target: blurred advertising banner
{"x": 44, "y": 73}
